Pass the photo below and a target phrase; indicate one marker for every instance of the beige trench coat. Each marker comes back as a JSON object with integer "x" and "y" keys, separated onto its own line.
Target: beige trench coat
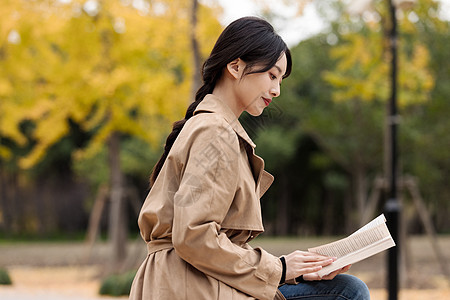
{"x": 202, "y": 211}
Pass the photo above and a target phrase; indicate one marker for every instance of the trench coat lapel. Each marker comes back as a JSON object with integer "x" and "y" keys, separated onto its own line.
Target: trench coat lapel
{"x": 213, "y": 104}
{"x": 263, "y": 178}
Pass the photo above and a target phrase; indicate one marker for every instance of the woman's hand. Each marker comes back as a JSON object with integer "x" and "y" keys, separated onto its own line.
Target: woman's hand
{"x": 314, "y": 276}
{"x": 301, "y": 262}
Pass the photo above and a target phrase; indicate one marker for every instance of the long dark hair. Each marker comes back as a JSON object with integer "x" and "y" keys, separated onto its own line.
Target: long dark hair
{"x": 251, "y": 39}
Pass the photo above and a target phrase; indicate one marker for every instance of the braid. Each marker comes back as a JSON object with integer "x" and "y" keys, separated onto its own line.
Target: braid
{"x": 209, "y": 81}
{"x": 206, "y": 88}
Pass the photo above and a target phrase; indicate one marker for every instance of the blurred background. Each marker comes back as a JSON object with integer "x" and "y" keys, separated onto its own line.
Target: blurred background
{"x": 89, "y": 90}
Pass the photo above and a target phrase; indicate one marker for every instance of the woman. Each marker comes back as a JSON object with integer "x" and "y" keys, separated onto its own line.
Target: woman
{"x": 203, "y": 207}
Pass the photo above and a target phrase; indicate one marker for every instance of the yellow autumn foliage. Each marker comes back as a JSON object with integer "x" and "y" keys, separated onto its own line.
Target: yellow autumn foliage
{"x": 110, "y": 68}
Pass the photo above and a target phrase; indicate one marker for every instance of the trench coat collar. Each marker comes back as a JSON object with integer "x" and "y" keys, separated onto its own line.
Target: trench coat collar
{"x": 212, "y": 103}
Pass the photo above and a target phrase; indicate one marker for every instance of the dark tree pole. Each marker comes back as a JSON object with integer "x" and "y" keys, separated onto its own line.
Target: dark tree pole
{"x": 196, "y": 57}
{"x": 392, "y": 206}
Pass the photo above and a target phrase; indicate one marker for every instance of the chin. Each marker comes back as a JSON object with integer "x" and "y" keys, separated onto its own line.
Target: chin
{"x": 255, "y": 113}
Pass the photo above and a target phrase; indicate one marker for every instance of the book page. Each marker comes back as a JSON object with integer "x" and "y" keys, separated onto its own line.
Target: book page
{"x": 354, "y": 242}
{"x": 369, "y": 240}
{"x": 377, "y": 221}
{"x": 359, "y": 255}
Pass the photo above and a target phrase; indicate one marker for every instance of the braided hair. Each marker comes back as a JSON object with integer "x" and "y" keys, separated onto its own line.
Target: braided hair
{"x": 251, "y": 39}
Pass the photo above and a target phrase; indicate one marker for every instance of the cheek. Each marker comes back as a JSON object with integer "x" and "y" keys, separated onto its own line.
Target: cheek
{"x": 266, "y": 83}
{"x": 257, "y": 88}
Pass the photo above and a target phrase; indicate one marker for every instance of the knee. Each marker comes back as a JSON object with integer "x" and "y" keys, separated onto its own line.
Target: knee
{"x": 356, "y": 288}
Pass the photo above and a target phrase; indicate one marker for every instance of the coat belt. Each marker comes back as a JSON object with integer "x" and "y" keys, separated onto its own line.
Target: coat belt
{"x": 158, "y": 245}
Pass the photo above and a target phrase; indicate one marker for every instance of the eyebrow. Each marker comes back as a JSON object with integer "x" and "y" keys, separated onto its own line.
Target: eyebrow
{"x": 278, "y": 68}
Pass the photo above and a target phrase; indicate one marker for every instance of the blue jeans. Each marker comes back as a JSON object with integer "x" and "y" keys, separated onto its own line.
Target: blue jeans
{"x": 342, "y": 287}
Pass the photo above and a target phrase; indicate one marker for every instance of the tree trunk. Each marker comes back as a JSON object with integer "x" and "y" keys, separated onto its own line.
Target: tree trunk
{"x": 328, "y": 211}
{"x": 348, "y": 207}
{"x": 14, "y": 208}
{"x": 117, "y": 221}
{"x": 360, "y": 190}
{"x": 96, "y": 215}
{"x": 5, "y": 211}
{"x": 196, "y": 69}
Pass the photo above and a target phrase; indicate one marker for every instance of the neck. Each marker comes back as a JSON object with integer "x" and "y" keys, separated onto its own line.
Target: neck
{"x": 224, "y": 91}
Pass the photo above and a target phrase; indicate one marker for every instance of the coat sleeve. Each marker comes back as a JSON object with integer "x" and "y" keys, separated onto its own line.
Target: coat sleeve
{"x": 206, "y": 191}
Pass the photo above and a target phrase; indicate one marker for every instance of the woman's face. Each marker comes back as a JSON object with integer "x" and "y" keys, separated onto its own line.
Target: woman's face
{"x": 256, "y": 91}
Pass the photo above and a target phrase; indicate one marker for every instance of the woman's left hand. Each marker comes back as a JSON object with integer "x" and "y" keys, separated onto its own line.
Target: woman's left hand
{"x": 314, "y": 276}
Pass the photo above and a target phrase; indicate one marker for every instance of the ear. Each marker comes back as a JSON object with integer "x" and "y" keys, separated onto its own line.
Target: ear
{"x": 236, "y": 68}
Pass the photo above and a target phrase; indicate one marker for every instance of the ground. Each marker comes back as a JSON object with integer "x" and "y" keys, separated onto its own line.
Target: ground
{"x": 72, "y": 271}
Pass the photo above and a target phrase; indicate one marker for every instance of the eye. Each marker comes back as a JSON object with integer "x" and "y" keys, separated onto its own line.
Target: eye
{"x": 272, "y": 76}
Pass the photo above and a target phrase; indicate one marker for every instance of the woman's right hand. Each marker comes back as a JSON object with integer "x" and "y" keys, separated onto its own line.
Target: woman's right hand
{"x": 302, "y": 262}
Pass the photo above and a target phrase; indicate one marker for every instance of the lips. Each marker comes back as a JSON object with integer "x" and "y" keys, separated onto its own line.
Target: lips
{"x": 266, "y": 101}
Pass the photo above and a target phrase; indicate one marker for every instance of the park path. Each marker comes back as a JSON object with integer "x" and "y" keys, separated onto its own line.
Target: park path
{"x": 28, "y": 294}
{"x": 82, "y": 283}
{"x": 54, "y": 283}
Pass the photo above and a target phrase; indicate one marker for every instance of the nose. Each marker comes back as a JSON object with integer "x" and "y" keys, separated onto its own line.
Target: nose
{"x": 275, "y": 90}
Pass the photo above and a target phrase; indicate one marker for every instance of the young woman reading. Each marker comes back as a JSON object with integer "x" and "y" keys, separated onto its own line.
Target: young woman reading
{"x": 203, "y": 207}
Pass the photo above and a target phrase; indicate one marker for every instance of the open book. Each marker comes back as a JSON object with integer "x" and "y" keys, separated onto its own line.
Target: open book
{"x": 367, "y": 241}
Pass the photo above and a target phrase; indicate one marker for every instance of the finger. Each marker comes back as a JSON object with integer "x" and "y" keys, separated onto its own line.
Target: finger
{"x": 345, "y": 269}
{"x": 317, "y": 258}
{"x": 331, "y": 275}
{"x": 309, "y": 270}
{"x": 311, "y": 277}
{"x": 328, "y": 261}
{"x": 314, "y": 255}
{"x": 315, "y": 264}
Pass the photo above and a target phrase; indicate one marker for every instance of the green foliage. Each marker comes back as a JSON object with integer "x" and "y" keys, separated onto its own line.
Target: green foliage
{"x": 93, "y": 168}
{"x": 337, "y": 94}
{"x": 349, "y": 132}
{"x": 277, "y": 146}
{"x": 138, "y": 158}
{"x": 425, "y": 137}
{"x": 117, "y": 285}
{"x": 4, "y": 277}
